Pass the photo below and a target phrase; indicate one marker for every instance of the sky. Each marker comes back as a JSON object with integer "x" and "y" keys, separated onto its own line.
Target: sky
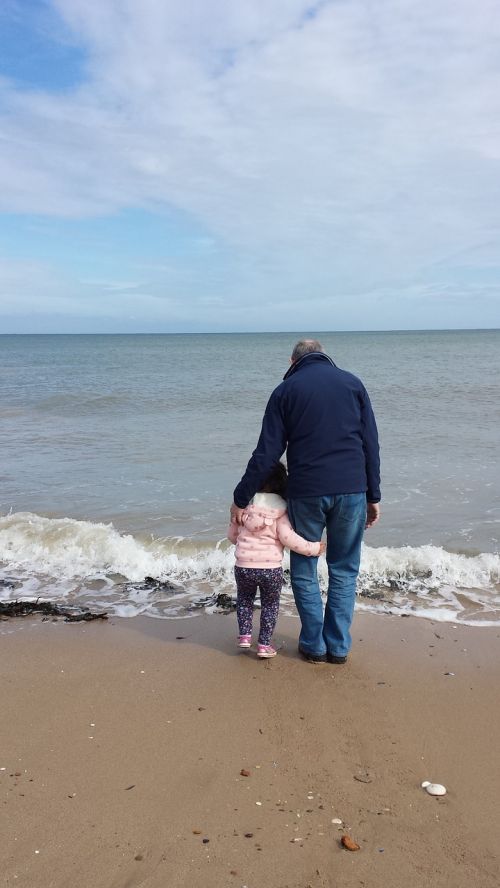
{"x": 214, "y": 165}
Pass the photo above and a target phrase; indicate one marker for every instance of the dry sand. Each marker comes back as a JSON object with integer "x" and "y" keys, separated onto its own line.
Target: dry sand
{"x": 123, "y": 745}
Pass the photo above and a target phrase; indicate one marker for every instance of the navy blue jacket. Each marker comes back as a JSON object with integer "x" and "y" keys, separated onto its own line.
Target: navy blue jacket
{"x": 323, "y": 417}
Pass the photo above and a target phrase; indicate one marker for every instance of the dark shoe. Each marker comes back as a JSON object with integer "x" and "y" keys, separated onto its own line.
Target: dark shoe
{"x": 337, "y": 660}
{"x": 312, "y": 658}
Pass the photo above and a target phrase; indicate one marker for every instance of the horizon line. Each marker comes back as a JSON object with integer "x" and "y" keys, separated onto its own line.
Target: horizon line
{"x": 258, "y": 332}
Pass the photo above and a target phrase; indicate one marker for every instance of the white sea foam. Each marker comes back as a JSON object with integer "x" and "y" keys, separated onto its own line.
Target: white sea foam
{"x": 93, "y": 564}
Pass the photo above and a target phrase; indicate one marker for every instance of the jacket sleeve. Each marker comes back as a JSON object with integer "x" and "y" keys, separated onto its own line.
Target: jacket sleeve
{"x": 270, "y": 446}
{"x": 371, "y": 449}
{"x": 232, "y": 532}
{"x": 292, "y": 540}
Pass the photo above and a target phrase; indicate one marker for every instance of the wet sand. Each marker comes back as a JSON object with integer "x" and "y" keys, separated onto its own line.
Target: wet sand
{"x": 122, "y": 746}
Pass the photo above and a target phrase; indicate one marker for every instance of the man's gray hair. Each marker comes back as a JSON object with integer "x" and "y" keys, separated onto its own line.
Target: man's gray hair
{"x": 305, "y": 347}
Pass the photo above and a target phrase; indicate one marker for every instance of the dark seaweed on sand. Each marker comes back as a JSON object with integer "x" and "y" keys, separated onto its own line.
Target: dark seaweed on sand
{"x": 48, "y": 609}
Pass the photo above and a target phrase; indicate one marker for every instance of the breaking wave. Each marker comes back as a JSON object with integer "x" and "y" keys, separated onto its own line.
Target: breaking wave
{"x": 91, "y": 564}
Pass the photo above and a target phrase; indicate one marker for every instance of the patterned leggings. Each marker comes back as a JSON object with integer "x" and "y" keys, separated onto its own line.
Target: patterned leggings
{"x": 269, "y": 581}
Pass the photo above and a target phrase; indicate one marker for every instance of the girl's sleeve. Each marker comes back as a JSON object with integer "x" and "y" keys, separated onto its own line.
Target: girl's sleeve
{"x": 232, "y": 533}
{"x": 292, "y": 540}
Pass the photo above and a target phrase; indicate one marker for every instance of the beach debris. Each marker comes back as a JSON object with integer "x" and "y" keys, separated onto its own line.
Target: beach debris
{"x": 349, "y": 843}
{"x": 129, "y": 787}
{"x": 449, "y": 673}
{"x": 196, "y": 832}
{"x": 244, "y": 772}
{"x": 150, "y": 584}
{"x": 26, "y": 608}
{"x": 337, "y": 821}
{"x": 248, "y": 835}
{"x": 363, "y": 777}
{"x": 434, "y": 789}
{"x": 220, "y": 600}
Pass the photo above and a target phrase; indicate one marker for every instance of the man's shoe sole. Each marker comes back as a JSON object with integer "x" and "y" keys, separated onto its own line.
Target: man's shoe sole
{"x": 339, "y": 661}
{"x": 313, "y": 658}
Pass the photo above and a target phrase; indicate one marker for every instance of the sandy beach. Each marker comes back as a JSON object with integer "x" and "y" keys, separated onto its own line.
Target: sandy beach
{"x": 122, "y": 746}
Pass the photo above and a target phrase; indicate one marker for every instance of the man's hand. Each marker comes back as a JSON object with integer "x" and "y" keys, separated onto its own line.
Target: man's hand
{"x": 372, "y": 514}
{"x": 236, "y": 514}
{"x": 322, "y": 548}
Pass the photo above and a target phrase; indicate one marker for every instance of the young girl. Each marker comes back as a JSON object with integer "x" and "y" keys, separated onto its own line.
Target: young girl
{"x": 260, "y": 541}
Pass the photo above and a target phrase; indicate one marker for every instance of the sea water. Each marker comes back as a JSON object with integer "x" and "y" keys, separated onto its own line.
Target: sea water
{"x": 120, "y": 455}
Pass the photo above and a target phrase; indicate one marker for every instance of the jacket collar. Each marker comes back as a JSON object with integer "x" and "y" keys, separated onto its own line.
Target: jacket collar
{"x": 310, "y": 358}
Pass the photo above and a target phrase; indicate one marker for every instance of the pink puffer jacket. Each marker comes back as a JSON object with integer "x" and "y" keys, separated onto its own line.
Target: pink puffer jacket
{"x": 265, "y": 531}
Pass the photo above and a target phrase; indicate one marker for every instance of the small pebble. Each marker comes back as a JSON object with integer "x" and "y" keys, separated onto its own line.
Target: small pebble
{"x": 248, "y": 835}
{"x": 205, "y": 841}
{"x": 258, "y": 803}
{"x": 244, "y": 772}
{"x": 138, "y": 857}
{"x": 336, "y": 820}
{"x": 349, "y": 843}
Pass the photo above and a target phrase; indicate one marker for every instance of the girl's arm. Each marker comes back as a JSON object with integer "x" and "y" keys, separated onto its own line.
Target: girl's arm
{"x": 293, "y": 541}
{"x": 232, "y": 533}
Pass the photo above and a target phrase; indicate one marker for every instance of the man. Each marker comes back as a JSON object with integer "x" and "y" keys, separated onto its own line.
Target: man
{"x": 323, "y": 417}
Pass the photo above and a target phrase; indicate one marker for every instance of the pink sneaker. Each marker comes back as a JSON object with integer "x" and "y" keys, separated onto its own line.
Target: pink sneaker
{"x": 244, "y": 641}
{"x": 265, "y": 651}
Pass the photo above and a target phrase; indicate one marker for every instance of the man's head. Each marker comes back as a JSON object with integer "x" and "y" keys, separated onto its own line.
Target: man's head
{"x": 305, "y": 347}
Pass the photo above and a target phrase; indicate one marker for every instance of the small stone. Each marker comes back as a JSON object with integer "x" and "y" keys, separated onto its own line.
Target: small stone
{"x": 138, "y": 857}
{"x": 17, "y": 774}
{"x": 233, "y": 872}
{"x": 259, "y": 804}
{"x": 337, "y": 821}
{"x": 363, "y": 777}
{"x": 129, "y": 787}
{"x": 244, "y": 772}
{"x": 197, "y": 832}
{"x": 205, "y": 841}
{"x": 248, "y": 835}
{"x": 349, "y": 843}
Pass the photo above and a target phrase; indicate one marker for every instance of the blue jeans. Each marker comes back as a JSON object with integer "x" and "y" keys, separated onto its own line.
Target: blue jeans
{"x": 343, "y": 516}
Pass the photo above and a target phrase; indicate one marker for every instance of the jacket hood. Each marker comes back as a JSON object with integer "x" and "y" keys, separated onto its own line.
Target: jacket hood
{"x": 310, "y": 358}
{"x": 265, "y": 511}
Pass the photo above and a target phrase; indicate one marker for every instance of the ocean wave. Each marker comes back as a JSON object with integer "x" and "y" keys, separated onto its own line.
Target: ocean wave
{"x": 94, "y": 564}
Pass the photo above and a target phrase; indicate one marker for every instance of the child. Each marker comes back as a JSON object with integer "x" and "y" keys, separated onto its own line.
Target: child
{"x": 260, "y": 539}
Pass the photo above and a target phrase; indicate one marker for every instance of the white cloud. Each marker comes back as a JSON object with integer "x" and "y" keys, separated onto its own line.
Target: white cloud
{"x": 344, "y": 145}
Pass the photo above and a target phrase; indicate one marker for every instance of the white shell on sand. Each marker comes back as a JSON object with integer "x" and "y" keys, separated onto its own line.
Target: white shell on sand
{"x": 434, "y": 789}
